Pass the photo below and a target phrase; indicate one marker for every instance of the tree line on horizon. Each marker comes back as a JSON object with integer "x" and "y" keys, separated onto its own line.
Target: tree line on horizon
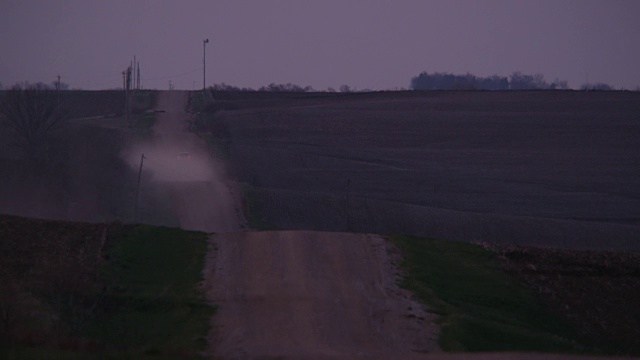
{"x": 273, "y": 87}
{"x": 515, "y": 81}
{"x": 438, "y": 81}
{"x": 424, "y": 81}
{"x": 54, "y": 85}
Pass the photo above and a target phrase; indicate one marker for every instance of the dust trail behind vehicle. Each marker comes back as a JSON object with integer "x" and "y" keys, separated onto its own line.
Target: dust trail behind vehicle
{"x": 202, "y": 198}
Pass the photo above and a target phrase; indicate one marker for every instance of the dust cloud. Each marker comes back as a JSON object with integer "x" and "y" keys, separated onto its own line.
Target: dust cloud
{"x": 185, "y": 185}
{"x": 167, "y": 159}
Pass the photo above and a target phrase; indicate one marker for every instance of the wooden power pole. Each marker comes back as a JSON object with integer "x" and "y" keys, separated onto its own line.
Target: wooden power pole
{"x": 136, "y": 209}
{"x": 204, "y": 69}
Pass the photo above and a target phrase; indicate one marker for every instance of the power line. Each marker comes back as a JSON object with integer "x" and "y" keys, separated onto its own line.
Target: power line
{"x": 105, "y": 80}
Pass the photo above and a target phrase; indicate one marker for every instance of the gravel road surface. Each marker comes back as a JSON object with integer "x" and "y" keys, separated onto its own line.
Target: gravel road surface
{"x": 203, "y": 198}
{"x": 297, "y": 294}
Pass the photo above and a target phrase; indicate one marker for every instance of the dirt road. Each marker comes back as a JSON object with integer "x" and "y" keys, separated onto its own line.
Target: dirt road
{"x": 296, "y": 294}
{"x": 203, "y": 198}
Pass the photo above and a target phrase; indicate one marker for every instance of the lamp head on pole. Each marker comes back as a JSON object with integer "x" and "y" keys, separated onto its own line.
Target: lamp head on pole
{"x": 206, "y": 41}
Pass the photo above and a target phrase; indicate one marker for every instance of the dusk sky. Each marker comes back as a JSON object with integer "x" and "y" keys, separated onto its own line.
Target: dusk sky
{"x": 367, "y": 44}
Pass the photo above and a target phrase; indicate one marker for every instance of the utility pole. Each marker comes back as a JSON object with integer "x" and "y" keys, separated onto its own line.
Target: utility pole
{"x": 204, "y": 68}
{"x": 58, "y": 83}
{"x": 126, "y": 96}
{"x": 138, "y": 77}
{"x": 127, "y": 92}
{"x": 136, "y": 209}
{"x": 134, "y": 73}
{"x": 126, "y": 86}
{"x": 346, "y": 207}
{"x": 130, "y": 78}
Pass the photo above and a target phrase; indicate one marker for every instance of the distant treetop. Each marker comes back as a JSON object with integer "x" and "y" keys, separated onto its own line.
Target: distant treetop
{"x": 596, "y": 87}
{"x": 273, "y": 87}
{"x": 516, "y": 81}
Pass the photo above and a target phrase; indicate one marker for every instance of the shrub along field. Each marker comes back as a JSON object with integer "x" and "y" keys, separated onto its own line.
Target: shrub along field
{"x": 100, "y": 289}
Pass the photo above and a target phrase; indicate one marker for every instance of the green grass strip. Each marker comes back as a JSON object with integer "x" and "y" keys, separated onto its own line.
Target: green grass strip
{"x": 154, "y": 306}
{"x": 480, "y": 307}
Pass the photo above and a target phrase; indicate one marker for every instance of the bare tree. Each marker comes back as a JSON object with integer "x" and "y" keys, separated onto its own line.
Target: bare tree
{"x": 345, "y": 88}
{"x": 32, "y": 113}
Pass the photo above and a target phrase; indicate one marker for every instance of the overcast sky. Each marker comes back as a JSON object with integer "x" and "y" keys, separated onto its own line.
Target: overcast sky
{"x": 372, "y": 44}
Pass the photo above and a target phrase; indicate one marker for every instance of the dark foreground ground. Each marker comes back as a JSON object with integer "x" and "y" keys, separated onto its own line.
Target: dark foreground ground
{"x": 100, "y": 290}
{"x": 53, "y": 294}
{"x": 545, "y": 168}
{"x": 597, "y": 292}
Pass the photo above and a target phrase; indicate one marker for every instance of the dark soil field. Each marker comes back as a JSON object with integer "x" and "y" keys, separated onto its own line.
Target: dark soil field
{"x": 83, "y": 104}
{"x": 542, "y": 168}
{"x": 84, "y": 177}
{"x": 47, "y": 268}
{"x": 597, "y": 292}
{"x": 110, "y": 290}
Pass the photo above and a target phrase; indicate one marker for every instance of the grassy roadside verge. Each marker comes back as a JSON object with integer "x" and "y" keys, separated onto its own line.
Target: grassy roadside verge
{"x": 137, "y": 296}
{"x": 154, "y": 306}
{"x": 480, "y": 307}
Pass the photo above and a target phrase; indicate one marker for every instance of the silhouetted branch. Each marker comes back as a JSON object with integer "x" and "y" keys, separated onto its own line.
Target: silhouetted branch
{"x": 32, "y": 112}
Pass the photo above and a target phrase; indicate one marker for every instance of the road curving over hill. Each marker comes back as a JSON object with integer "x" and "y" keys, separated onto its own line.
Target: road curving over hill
{"x": 203, "y": 198}
{"x": 291, "y": 294}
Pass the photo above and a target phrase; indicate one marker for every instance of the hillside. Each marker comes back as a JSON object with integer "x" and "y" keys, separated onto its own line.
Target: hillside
{"x": 554, "y": 170}
{"x": 544, "y": 168}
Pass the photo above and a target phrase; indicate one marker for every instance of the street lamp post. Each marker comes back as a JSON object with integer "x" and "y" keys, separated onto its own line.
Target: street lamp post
{"x": 204, "y": 66}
